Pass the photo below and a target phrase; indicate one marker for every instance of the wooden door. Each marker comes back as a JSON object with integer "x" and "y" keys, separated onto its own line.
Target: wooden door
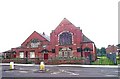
{"x": 45, "y": 56}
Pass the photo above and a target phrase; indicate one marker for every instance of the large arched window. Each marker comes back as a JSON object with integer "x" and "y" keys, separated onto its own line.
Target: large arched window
{"x": 65, "y": 38}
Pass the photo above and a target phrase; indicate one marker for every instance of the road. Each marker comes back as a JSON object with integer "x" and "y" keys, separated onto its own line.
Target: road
{"x": 55, "y": 71}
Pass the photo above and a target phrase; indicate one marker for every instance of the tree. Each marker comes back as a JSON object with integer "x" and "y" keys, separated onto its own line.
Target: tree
{"x": 118, "y": 46}
{"x": 98, "y": 52}
{"x": 103, "y": 51}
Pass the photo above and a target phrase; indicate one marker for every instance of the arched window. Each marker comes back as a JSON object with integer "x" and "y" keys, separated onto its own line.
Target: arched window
{"x": 34, "y": 43}
{"x": 87, "y": 49}
{"x": 65, "y": 38}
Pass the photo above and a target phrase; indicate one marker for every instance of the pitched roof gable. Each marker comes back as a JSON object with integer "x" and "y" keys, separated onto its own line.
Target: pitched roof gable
{"x": 64, "y": 23}
{"x": 35, "y": 35}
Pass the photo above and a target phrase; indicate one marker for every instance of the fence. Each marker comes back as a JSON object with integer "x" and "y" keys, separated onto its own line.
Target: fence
{"x": 112, "y": 56}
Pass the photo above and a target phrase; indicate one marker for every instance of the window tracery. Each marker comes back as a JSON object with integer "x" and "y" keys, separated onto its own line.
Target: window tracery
{"x": 65, "y": 38}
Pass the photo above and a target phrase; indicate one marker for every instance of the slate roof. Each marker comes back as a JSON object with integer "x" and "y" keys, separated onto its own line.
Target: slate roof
{"x": 46, "y": 37}
{"x": 86, "y": 39}
{"x": 7, "y": 51}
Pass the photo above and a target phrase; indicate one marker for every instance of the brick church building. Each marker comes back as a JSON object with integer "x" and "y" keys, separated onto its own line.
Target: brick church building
{"x": 66, "y": 41}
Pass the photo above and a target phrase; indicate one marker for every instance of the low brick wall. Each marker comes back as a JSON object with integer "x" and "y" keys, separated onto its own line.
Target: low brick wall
{"x": 13, "y": 60}
{"x": 37, "y": 61}
{"x": 64, "y": 62}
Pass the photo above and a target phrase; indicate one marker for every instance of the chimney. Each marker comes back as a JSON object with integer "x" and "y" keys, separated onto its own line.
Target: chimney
{"x": 43, "y": 33}
{"x": 52, "y": 30}
{"x": 81, "y": 30}
{"x": 109, "y": 45}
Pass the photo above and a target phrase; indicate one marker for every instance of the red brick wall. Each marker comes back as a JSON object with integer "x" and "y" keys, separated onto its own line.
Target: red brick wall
{"x": 65, "y": 25}
{"x": 111, "y": 48}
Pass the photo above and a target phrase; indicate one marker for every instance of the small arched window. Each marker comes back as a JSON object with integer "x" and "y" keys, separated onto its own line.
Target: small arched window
{"x": 34, "y": 43}
{"x": 65, "y": 38}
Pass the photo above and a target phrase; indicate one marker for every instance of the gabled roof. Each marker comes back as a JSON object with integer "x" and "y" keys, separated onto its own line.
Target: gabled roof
{"x": 86, "y": 39}
{"x": 36, "y": 35}
{"x": 19, "y": 47}
{"x": 8, "y": 51}
{"x": 64, "y": 23}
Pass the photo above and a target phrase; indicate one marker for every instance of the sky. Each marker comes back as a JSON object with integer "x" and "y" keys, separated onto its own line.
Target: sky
{"x": 98, "y": 19}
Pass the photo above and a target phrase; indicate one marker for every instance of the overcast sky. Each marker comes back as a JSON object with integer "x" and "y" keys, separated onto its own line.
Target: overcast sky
{"x": 98, "y": 19}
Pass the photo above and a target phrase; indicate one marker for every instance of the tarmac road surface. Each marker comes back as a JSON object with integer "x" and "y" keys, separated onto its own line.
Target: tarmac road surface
{"x": 55, "y": 71}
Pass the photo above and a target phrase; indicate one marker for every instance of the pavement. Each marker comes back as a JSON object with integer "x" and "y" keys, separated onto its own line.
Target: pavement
{"x": 67, "y": 65}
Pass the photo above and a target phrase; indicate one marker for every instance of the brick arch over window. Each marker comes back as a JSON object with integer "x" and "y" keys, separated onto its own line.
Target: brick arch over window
{"x": 34, "y": 43}
{"x": 65, "y": 38}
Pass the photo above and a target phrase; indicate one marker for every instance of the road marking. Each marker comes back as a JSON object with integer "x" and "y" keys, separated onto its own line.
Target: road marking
{"x": 70, "y": 73}
{"x": 110, "y": 75}
{"x": 58, "y": 72}
{"x": 8, "y": 71}
{"x": 102, "y": 70}
{"x": 23, "y": 71}
{"x": 34, "y": 70}
{"x": 62, "y": 70}
{"x": 74, "y": 74}
{"x": 117, "y": 71}
{"x": 55, "y": 73}
{"x": 21, "y": 68}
